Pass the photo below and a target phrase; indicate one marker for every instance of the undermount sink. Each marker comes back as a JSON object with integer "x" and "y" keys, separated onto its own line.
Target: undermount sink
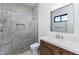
{"x": 62, "y": 41}
{"x": 52, "y": 38}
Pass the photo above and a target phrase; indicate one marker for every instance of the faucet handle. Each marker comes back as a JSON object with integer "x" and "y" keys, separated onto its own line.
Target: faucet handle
{"x": 62, "y": 37}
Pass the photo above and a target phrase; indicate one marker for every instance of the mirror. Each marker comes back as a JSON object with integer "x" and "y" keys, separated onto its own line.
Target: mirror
{"x": 62, "y": 19}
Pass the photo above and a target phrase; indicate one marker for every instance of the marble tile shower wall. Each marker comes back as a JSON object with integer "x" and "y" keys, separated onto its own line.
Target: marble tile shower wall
{"x": 19, "y": 30}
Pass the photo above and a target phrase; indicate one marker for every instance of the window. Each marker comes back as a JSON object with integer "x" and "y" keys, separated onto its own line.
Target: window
{"x": 57, "y": 19}
{"x": 64, "y": 17}
{"x": 61, "y": 18}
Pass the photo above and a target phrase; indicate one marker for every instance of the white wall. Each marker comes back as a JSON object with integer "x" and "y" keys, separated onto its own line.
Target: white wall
{"x": 44, "y": 16}
{"x": 44, "y": 20}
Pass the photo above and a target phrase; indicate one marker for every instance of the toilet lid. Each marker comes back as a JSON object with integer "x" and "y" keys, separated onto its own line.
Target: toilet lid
{"x": 35, "y": 45}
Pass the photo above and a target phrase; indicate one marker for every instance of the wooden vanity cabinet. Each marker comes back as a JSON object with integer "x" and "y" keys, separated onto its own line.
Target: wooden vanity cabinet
{"x": 65, "y": 52}
{"x": 49, "y": 49}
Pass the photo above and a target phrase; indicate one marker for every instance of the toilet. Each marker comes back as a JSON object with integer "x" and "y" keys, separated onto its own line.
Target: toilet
{"x": 35, "y": 48}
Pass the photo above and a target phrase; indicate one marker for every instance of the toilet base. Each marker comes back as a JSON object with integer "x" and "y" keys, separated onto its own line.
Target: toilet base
{"x": 35, "y": 48}
{"x": 35, "y": 52}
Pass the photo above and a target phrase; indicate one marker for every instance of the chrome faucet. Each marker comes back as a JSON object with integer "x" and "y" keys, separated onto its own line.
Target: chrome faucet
{"x": 58, "y": 36}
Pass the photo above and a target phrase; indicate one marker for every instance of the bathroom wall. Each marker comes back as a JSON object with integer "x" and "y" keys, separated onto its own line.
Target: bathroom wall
{"x": 44, "y": 10}
{"x": 66, "y": 27}
{"x": 19, "y": 28}
{"x": 44, "y": 20}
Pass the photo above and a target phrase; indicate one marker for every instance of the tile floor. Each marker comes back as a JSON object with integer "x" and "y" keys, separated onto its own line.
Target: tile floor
{"x": 26, "y": 53}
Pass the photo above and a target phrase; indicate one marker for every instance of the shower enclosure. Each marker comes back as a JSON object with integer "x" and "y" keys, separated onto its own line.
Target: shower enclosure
{"x": 18, "y": 27}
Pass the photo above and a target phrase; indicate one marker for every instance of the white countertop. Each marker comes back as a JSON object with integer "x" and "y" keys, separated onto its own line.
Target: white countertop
{"x": 63, "y": 43}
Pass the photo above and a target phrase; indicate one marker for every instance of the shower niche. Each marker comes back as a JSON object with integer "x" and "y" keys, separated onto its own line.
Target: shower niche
{"x": 20, "y": 27}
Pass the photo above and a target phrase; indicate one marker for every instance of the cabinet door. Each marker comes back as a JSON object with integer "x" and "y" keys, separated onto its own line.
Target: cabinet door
{"x": 44, "y": 50}
{"x": 65, "y": 52}
{"x": 49, "y": 49}
{"x": 55, "y": 53}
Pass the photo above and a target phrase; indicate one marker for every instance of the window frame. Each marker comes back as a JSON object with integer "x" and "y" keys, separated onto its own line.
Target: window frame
{"x": 60, "y": 18}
